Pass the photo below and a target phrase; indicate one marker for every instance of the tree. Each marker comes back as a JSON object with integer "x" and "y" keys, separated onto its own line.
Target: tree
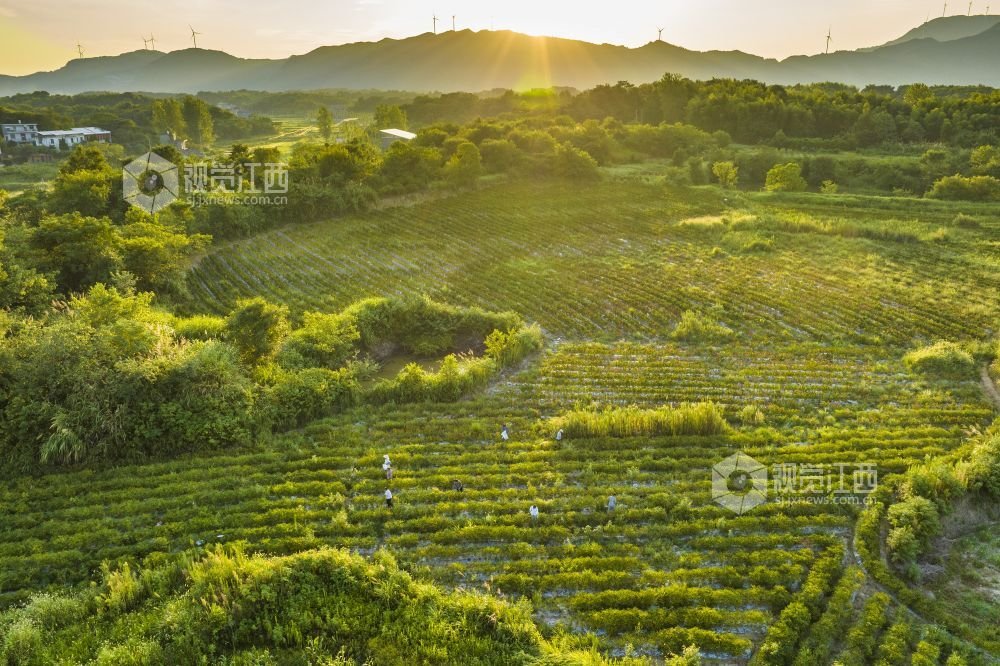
{"x": 79, "y": 249}
{"x": 389, "y": 116}
{"x": 168, "y": 115}
{"x": 256, "y": 328}
{"x": 324, "y": 123}
{"x": 727, "y": 173}
{"x": 465, "y": 166}
{"x": 785, "y": 178}
{"x": 198, "y": 119}
{"x": 573, "y": 163}
{"x": 985, "y": 161}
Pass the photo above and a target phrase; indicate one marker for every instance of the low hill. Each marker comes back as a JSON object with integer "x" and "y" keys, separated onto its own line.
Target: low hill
{"x": 955, "y": 51}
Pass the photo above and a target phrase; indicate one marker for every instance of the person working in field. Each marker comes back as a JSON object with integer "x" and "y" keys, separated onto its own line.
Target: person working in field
{"x": 388, "y": 499}
{"x": 504, "y": 433}
{"x": 559, "y": 435}
{"x": 612, "y": 503}
{"x": 388, "y": 472}
{"x": 457, "y": 486}
{"x": 533, "y": 512}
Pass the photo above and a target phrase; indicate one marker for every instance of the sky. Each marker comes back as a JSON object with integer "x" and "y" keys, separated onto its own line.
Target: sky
{"x": 43, "y": 34}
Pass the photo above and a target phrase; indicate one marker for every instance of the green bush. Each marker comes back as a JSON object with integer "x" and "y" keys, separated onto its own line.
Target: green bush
{"x": 199, "y": 327}
{"x": 966, "y": 188}
{"x": 696, "y": 327}
{"x": 785, "y": 178}
{"x": 323, "y": 341}
{"x": 941, "y": 358}
{"x": 703, "y": 418}
{"x": 305, "y": 395}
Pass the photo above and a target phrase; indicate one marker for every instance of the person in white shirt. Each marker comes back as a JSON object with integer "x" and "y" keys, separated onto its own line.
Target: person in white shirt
{"x": 388, "y": 498}
{"x": 612, "y": 503}
{"x": 504, "y": 433}
{"x": 533, "y": 511}
{"x": 559, "y": 435}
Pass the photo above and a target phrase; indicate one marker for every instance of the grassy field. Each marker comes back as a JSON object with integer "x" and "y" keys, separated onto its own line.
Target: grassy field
{"x": 17, "y": 178}
{"x": 821, "y": 296}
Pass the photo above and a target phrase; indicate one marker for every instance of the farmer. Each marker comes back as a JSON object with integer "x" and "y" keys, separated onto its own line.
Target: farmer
{"x": 533, "y": 511}
{"x": 388, "y": 499}
{"x": 504, "y": 433}
{"x": 559, "y": 434}
{"x": 612, "y": 503}
{"x": 388, "y": 473}
{"x": 457, "y": 486}
{"x": 386, "y": 463}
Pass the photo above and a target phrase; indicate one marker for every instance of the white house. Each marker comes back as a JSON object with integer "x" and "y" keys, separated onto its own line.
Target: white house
{"x": 19, "y": 132}
{"x": 72, "y": 137}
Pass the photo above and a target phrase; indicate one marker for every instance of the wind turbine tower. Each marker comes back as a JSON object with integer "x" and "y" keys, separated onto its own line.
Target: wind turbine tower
{"x": 435, "y": 19}
{"x": 829, "y": 38}
{"x": 970, "y": 10}
{"x": 453, "y": 23}
{"x": 145, "y": 43}
{"x": 945, "y": 10}
{"x": 194, "y": 36}
{"x": 152, "y": 40}
{"x": 79, "y": 49}
{"x": 659, "y": 34}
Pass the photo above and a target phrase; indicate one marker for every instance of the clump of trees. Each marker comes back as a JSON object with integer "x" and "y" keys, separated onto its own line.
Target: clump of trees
{"x": 136, "y": 382}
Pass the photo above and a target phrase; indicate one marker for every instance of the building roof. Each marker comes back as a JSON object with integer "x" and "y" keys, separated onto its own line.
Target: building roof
{"x": 400, "y": 134}
{"x": 74, "y": 131}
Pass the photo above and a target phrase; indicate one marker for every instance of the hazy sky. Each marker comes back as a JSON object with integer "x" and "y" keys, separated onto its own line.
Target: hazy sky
{"x": 42, "y": 34}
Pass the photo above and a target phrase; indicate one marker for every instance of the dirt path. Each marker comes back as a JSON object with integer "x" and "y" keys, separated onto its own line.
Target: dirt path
{"x": 989, "y": 388}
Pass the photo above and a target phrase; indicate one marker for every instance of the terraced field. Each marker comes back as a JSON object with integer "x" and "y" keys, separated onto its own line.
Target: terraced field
{"x": 823, "y": 296}
{"x": 624, "y": 260}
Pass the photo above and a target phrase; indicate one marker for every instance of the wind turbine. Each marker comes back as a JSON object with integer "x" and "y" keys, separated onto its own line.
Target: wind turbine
{"x": 970, "y": 10}
{"x": 945, "y": 10}
{"x": 79, "y": 49}
{"x": 152, "y": 40}
{"x": 659, "y": 34}
{"x": 194, "y": 36}
{"x": 145, "y": 43}
{"x": 435, "y": 19}
{"x": 453, "y": 23}
{"x": 829, "y": 38}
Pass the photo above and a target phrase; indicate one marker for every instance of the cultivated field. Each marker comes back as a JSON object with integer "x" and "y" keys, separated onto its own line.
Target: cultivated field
{"x": 818, "y": 298}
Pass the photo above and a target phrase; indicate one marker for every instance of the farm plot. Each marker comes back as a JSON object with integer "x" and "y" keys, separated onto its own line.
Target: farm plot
{"x": 666, "y": 568}
{"x": 615, "y": 261}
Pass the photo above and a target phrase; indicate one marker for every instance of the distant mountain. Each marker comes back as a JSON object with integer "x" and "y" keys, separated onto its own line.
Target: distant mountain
{"x": 949, "y": 28}
{"x": 957, "y": 51}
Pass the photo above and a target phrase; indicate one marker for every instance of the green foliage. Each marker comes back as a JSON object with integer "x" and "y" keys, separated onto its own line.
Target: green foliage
{"x": 199, "y": 327}
{"x": 966, "y": 188}
{"x": 389, "y": 116}
{"x": 323, "y": 341}
{"x": 727, "y": 173}
{"x": 697, "y": 419}
{"x": 465, "y": 166}
{"x": 942, "y": 358}
{"x": 913, "y": 522}
{"x": 572, "y": 163}
{"x": 696, "y": 327}
{"x": 510, "y": 347}
{"x": 785, "y": 178}
{"x": 298, "y": 397}
{"x": 324, "y": 123}
{"x": 257, "y": 328}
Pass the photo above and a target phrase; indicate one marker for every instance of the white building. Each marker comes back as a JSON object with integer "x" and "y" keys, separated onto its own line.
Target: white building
{"x": 60, "y": 139}
{"x": 391, "y": 136}
{"x": 19, "y": 132}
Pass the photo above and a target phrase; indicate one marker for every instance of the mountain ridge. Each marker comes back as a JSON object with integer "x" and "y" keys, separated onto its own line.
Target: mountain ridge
{"x": 467, "y": 60}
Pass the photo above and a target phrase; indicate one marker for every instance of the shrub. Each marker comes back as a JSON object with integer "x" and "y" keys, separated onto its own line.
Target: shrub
{"x": 575, "y": 164}
{"x": 305, "y": 395}
{"x": 323, "y": 341}
{"x": 696, "y": 327}
{"x": 256, "y": 328}
{"x": 200, "y": 327}
{"x": 727, "y": 173}
{"x": 941, "y": 358}
{"x": 514, "y": 345}
{"x": 785, "y": 178}
{"x": 963, "y": 221}
{"x": 829, "y": 187}
{"x": 703, "y": 418}
{"x": 966, "y": 188}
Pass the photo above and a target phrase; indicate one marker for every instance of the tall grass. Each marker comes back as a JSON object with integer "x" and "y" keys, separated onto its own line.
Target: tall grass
{"x": 703, "y": 418}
